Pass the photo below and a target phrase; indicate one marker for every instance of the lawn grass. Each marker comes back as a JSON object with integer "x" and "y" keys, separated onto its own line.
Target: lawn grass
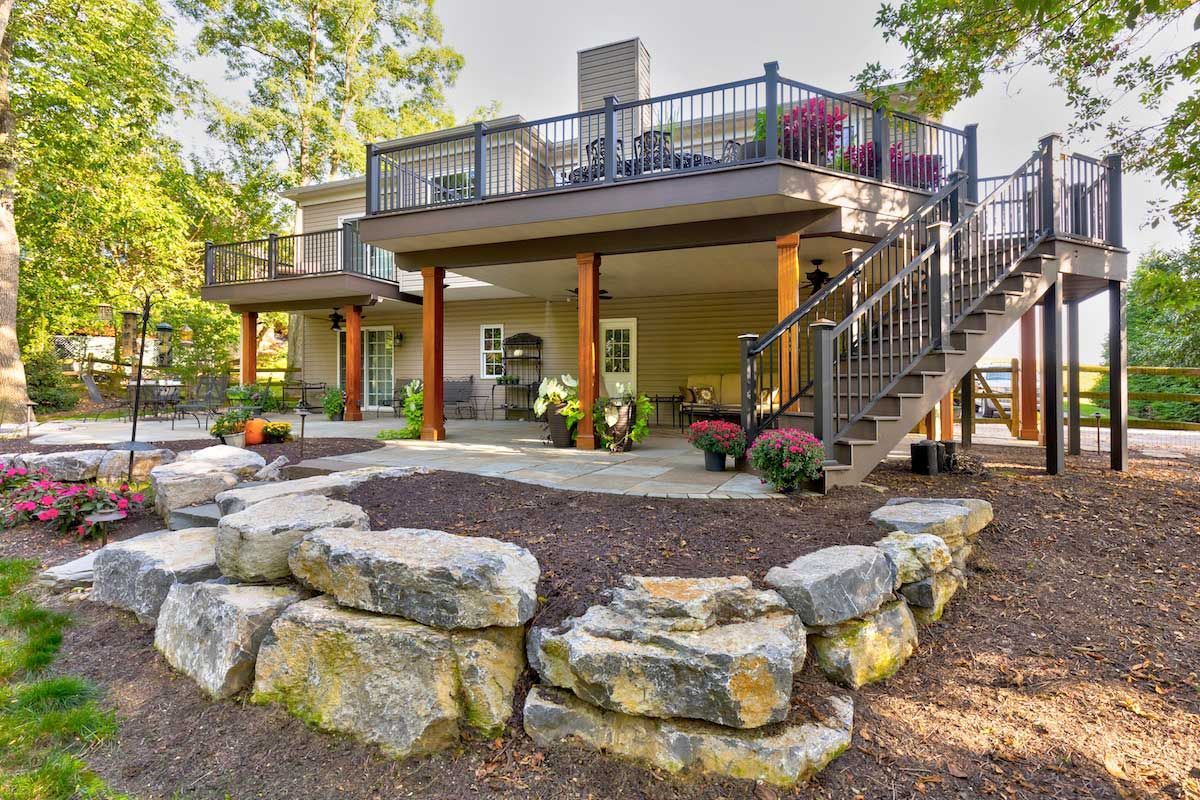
{"x": 46, "y": 722}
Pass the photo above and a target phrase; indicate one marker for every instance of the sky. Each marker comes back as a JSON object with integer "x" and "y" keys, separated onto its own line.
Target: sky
{"x": 522, "y": 53}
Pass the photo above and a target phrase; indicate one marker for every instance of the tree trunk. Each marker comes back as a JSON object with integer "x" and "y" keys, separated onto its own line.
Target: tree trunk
{"x": 12, "y": 372}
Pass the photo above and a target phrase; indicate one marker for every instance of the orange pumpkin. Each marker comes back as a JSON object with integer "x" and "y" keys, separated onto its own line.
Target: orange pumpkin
{"x": 255, "y": 433}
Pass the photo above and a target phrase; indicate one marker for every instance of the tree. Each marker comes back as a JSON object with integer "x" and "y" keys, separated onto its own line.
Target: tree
{"x": 327, "y": 75}
{"x": 1101, "y": 52}
{"x": 1164, "y": 308}
{"x": 12, "y": 371}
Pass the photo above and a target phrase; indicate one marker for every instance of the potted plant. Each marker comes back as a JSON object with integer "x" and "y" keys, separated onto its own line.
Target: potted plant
{"x": 230, "y": 427}
{"x": 558, "y": 402}
{"x": 622, "y": 420}
{"x": 333, "y": 402}
{"x": 719, "y": 440}
{"x": 788, "y": 458}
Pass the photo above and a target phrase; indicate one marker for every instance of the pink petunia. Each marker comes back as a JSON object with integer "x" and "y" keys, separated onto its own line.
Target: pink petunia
{"x": 138, "y": 497}
{"x": 47, "y": 500}
{"x": 122, "y": 504}
{"x": 48, "y": 514}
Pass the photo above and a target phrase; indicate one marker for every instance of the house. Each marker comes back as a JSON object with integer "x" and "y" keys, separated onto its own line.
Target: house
{"x": 824, "y": 263}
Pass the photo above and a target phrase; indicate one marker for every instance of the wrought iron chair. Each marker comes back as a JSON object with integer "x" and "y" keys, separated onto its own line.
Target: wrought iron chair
{"x": 102, "y": 403}
{"x": 654, "y": 151}
{"x": 206, "y": 397}
{"x": 460, "y": 396}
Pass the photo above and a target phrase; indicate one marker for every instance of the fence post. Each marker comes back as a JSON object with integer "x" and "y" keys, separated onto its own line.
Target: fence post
{"x": 822, "y": 337}
{"x": 939, "y": 283}
{"x": 372, "y": 180}
{"x": 479, "y": 179}
{"x": 749, "y": 384}
{"x": 1051, "y": 173}
{"x": 772, "y": 109}
{"x": 1113, "y": 218}
{"x": 972, "y": 162}
{"x": 881, "y": 141}
{"x": 209, "y": 263}
{"x": 272, "y": 255}
{"x": 1014, "y": 401}
{"x": 610, "y": 138}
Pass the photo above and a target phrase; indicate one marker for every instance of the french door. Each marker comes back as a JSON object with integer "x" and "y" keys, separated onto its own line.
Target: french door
{"x": 377, "y": 366}
{"x": 618, "y": 355}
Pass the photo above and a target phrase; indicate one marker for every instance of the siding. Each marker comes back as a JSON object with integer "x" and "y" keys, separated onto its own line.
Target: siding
{"x": 677, "y": 336}
{"x": 621, "y": 69}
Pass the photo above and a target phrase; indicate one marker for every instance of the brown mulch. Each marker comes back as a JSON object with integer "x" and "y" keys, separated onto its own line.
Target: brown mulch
{"x": 313, "y": 448}
{"x": 1068, "y": 668}
{"x": 48, "y": 547}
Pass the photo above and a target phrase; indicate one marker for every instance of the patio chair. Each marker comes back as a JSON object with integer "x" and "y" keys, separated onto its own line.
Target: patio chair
{"x": 653, "y": 151}
{"x": 460, "y": 396}
{"x": 102, "y": 403}
{"x": 205, "y": 397}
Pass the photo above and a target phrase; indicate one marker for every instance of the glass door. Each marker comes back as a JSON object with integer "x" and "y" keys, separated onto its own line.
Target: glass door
{"x": 618, "y": 355}
{"x": 377, "y": 366}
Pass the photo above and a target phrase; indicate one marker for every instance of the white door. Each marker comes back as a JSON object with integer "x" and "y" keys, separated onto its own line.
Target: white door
{"x": 618, "y": 355}
{"x": 377, "y": 366}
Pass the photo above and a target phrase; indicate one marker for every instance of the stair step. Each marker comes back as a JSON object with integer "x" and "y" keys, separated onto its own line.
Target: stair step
{"x": 205, "y": 515}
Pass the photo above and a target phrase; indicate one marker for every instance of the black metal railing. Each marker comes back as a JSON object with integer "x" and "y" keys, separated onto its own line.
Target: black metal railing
{"x": 765, "y": 118}
{"x": 296, "y": 256}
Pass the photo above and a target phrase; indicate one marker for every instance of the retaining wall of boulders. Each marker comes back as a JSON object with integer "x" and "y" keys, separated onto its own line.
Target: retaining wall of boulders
{"x": 415, "y": 639}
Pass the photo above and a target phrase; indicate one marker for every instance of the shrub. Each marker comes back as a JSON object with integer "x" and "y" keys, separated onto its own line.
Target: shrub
{"x": 274, "y": 432}
{"x": 718, "y": 436}
{"x": 64, "y": 505}
{"x": 413, "y": 407}
{"x": 606, "y": 414}
{"x": 333, "y": 402}
{"x": 46, "y": 384}
{"x": 787, "y": 457}
{"x": 1174, "y": 410}
{"x": 231, "y": 422}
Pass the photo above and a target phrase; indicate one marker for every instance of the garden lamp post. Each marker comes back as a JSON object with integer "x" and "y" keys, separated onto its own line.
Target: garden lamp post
{"x": 301, "y": 412}
{"x": 29, "y": 406}
{"x": 133, "y": 445}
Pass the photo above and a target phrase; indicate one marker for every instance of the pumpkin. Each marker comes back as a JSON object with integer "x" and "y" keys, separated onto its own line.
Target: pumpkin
{"x": 255, "y": 433}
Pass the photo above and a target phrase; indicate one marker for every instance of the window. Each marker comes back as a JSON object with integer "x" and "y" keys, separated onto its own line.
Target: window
{"x": 491, "y": 351}
{"x": 453, "y": 186}
{"x": 617, "y": 350}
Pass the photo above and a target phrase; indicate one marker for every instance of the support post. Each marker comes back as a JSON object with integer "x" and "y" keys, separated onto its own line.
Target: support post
{"x": 479, "y": 180}
{"x": 971, "y": 157}
{"x": 372, "y": 180}
{"x": 1118, "y": 400}
{"x": 348, "y": 247}
{"x": 939, "y": 283}
{"x": 966, "y": 400}
{"x": 1051, "y": 180}
{"x": 1014, "y": 401}
{"x": 610, "y": 139}
{"x": 880, "y": 136}
{"x": 823, "y": 355}
{"x": 248, "y": 372}
{"x": 787, "y": 300}
{"x": 1114, "y": 220}
{"x": 946, "y": 417}
{"x": 1074, "y": 433}
{"x": 1028, "y": 398}
{"x": 930, "y": 423}
{"x": 209, "y": 263}
{"x": 354, "y": 359}
{"x": 272, "y": 255}
{"x": 1052, "y": 376}
{"x": 589, "y": 345}
{"x": 749, "y": 384}
{"x": 771, "y": 111}
{"x": 433, "y": 353}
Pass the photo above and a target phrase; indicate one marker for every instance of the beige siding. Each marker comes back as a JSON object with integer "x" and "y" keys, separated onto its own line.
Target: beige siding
{"x": 621, "y": 69}
{"x": 677, "y": 336}
{"x": 324, "y": 216}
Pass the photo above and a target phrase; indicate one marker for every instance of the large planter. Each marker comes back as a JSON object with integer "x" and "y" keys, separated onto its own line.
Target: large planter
{"x": 714, "y": 462}
{"x": 337, "y": 417}
{"x": 618, "y": 432}
{"x": 234, "y": 439}
{"x": 560, "y": 434}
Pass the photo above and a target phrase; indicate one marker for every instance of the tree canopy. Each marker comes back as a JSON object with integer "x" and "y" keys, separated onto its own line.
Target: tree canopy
{"x": 1164, "y": 308}
{"x": 1102, "y": 53}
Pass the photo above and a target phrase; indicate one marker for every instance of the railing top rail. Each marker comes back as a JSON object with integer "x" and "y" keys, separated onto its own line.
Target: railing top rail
{"x": 1020, "y": 172}
{"x": 663, "y": 98}
{"x": 409, "y": 144}
{"x": 263, "y": 240}
{"x": 956, "y": 180}
{"x": 1099, "y": 162}
{"x": 860, "y": 101}
{"x": 534, "y": 123}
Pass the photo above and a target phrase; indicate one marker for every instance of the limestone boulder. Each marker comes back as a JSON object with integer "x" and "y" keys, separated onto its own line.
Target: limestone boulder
{"x": 221, "y": 457}
{"x": 73, "y": 466}
{"x": 782, "y": 756}
{"x": 646, "y": 655}
{"x": 835, "y": 584}
{"x": 71, "y": 575}
{"x": 407, "y": 687}
{"x": 430, "y": 577}
{"x": 336, "y": 485}
{"x": 114, "y": 468}
{"x": 136, "y": 574}
{"x": 916, "y": 556}
{"x": 866, "y": 650}
{"x": 944, "y": 520}
{"x": 927, "y": 599}
{"x": 211, "y": 631}
{"x": 979, "y": 512}
{"x": 253, "y": 545}
{"x": 186, "y": 483}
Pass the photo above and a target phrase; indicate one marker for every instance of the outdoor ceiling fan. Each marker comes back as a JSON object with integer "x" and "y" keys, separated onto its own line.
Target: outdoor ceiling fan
{"x": 818, "y": 277}
{"x": 604, "y": 295}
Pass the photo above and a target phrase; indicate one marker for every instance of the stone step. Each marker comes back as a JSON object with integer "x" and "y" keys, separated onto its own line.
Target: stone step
{"x": 70, "y": 575}
{"x": 205, "y": 515}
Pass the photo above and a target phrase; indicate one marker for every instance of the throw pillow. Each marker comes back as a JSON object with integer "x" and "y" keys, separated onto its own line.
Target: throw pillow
{"x": 704, "y": 394}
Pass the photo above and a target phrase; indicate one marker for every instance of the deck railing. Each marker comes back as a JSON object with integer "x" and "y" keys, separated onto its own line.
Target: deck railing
{"x": 765, "y": 118}
{"x": 298, "y": 255}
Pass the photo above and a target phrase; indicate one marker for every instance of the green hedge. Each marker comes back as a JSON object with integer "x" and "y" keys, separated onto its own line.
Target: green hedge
{"x": 1144, "y": 409}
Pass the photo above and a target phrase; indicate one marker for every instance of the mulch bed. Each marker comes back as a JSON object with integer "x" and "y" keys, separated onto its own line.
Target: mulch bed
{"x": 48, "y": 547}
{"x": 1067, "y": 669}
{"x": 313, "y": 448}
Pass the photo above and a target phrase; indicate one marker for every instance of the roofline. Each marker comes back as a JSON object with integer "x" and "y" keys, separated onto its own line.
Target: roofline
{"x": 637, "y": 39}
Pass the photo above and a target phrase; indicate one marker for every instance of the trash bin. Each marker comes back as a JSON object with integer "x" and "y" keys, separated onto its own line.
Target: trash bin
{"x": 924, "y": 457}
{"x": 947, "y": 455}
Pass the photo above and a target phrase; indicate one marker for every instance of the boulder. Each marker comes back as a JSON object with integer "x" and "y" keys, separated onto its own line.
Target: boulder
{"x": 221, "y": 457}
{"x": 946, "y": 521}
{"x": 70, "y": 575}
{"x": 185, "y": 483}
{"x": 336, "y": 485}
{"x": 927, "y": 598}
{"x": 783, "y": 756}
{"x": 430, "y": 577}
{"x": 114, "y": 468}
{"x": 73, "y": 466}
{"x": 253, "y": 545}
{"x": 644, "y": 656}
{"x": 835, "y": 584}
{"x": 916, "y": 556}
{"x": 979, "y": 512}
{"x": 211, "y": 631}
{"x": 406, "y": 687}
{"x": 866, "y": 650}
{"x": 272, "y": 471}
{"x": 136, "y": 574}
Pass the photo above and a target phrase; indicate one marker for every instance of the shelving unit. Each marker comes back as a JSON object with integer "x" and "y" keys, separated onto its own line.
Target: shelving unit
{"x": 523, "y": 358}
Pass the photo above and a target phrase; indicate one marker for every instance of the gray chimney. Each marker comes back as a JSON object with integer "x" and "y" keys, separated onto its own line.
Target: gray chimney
{"x": 620, "y": 68}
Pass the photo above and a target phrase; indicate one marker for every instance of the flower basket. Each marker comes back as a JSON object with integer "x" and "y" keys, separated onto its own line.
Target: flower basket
{"x": 718, "y": 439}
{"x": 788, "y": 459}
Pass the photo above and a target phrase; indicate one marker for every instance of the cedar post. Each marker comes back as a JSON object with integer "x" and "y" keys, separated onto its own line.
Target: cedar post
{"x": 433, "y": 351}
{"x": 787, "y": 278}
{"x": 353, "y": 388}
{"x": 946, "y": 417}
{"x": 1028, "y": 399}
{"x": 249, "y": 368}
{"x": 589, "y": 346}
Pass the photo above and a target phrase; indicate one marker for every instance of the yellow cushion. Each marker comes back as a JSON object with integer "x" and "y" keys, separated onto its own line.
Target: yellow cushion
{"x": 730, "y": 392}
{"x": 712, "y": 380}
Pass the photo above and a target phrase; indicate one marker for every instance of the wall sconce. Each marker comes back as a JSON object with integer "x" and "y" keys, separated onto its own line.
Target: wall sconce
{"x": 399, "y": 338}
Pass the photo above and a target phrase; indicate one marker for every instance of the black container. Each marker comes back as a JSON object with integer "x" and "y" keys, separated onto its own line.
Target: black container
{"x": 560, "y": 435}
{"x": 924, "y": 457}
{"x": 714, "y": 462}
{"x": 947, "y": 455}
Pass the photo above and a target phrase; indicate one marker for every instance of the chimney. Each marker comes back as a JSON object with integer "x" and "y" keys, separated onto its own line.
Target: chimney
{"x": 620, "y": 68}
